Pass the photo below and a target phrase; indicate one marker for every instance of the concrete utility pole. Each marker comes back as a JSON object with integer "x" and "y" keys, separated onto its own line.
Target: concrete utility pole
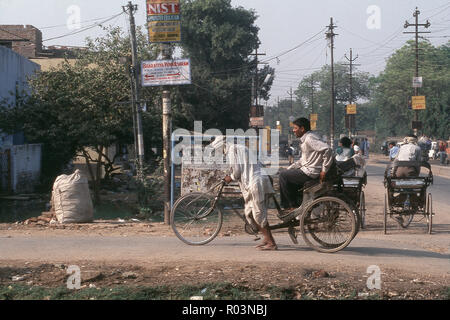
{"x": 351, "y": 117}
{"x": 416, "y": 32}
{"x": 167, "y": 119}
{"x": 292, "y": 107}
{"x": 135, "y": 96}
{"x": 312, "y": 87}
{"x": 330, "y": 35}
{"x": 255, "y": 82}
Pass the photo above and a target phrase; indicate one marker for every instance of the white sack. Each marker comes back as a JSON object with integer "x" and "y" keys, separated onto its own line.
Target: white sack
{"x": 71, "y": 199}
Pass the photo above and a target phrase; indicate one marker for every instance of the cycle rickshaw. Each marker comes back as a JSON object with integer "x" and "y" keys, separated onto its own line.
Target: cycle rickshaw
{"x": 407, "y": 197}
{"x": 328, "y": 218}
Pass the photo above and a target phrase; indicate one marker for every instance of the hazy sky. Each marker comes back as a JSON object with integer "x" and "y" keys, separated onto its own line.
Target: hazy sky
{"x": 374, "y": 29}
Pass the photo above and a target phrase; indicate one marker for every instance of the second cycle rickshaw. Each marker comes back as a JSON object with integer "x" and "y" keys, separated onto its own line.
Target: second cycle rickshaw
{"x": 407, "y": 197}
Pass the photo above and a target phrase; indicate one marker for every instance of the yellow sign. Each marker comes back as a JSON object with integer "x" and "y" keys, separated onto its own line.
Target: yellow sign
{"x": 313, "y": 117}
{"x": 313, "y": 125}
{"x": 163, "y": 20}
{"x": 418, "y": 103}
{"x": 351, "y": 109}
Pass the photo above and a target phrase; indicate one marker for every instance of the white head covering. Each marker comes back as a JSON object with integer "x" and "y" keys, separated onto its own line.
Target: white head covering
{"x": 218, "y": 142}
{"x": 409, "y": 139}
{"x": 356, "y": 148}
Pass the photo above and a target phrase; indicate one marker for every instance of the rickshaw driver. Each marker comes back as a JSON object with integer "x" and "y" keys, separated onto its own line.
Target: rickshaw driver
{"x": 315, "y": 161}
{"x": 409, "y": 151}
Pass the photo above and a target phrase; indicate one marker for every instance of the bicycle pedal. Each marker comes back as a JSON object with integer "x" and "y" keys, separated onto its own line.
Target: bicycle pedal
{"x": 257, "y": 238}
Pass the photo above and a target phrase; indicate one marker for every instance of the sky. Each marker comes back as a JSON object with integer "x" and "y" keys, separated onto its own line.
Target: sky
{"x": 372, "y": 28}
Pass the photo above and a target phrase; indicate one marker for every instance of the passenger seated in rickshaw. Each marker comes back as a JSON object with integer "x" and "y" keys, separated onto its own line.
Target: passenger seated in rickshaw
{"x": 345, "y": 152}
{"x": 406, "y": 165}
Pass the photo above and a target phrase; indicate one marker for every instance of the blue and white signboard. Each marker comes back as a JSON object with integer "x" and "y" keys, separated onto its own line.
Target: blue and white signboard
{"x": 166, "y": 72}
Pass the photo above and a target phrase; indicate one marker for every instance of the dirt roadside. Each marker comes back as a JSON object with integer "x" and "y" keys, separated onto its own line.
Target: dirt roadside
{"x": 236, "y": 280}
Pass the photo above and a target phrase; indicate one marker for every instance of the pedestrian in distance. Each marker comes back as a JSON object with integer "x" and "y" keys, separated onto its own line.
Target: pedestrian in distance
{"x": 393, "y": 150}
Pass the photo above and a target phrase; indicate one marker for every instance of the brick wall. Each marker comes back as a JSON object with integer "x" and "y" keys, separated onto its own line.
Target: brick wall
{"x": 25, "y": 40}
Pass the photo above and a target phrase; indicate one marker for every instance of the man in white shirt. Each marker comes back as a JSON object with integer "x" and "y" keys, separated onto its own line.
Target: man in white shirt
{"x": 315, "y": 161}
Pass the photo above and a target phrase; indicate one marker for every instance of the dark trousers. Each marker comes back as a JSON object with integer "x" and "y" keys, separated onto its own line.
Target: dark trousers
{"x": 291, "y": 181}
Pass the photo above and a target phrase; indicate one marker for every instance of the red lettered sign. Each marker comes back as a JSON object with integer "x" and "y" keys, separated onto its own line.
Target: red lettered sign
{"x": 164, "y": 7}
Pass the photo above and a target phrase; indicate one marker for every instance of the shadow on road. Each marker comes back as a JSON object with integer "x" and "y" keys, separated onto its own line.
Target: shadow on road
{"x": 374, "y": 251}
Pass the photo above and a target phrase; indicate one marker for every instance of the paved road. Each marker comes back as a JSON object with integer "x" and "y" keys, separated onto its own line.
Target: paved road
{"x": 360, "y": 253}
{"x": 413, "y": 251}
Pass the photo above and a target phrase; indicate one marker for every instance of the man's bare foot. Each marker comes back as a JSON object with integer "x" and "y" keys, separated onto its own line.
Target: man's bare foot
{"x": 269, "y": 247}
{"x": 262, "y": 244}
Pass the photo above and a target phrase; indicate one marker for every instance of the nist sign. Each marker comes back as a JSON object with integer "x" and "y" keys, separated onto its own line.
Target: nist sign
{"x": 163, "y": 20}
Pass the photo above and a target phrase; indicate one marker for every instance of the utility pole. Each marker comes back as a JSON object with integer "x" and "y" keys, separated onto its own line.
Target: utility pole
{"x": 135, "y": 95}
{"x": 257, "y": 111}
{"x": 351, "y": 117}
{"x": 416, "y": 32}
{"x": 166, "y": 121}
{"x": 255, "y": 82}
{"x": 330, "y": 35}
{"x": 312, "y": 87}
{"x": 292, "y": 107}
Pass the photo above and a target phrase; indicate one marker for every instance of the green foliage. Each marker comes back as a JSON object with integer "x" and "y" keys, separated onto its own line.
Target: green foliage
{"x": 151, "y": 192}
{"x": 218, "y": 39}
{"x": 82, "y": 103}
{"x": 302, "y": 104}
{"x": 393, "y": 89}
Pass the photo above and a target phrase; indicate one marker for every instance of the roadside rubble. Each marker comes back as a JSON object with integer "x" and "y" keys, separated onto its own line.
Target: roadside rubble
{"x": 48, "y": 217}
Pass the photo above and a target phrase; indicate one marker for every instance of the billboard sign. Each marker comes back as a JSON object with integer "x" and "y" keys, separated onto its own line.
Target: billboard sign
{"x": 418, "y": 103}
{"x": 163, "y": 20}
{"x": 351, "y": 109}
{"x": 166, "y": 72}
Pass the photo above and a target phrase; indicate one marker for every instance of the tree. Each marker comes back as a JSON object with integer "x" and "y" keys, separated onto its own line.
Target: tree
{"x": 82, "y": 105}
{"x": 219, "y": 40}
{"x": 322, "y": 95}
{"x": 393, "y": 91}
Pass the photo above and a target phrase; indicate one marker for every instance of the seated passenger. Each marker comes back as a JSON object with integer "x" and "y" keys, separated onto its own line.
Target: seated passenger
{"x": 315, "y": 161}
{"x": 344, "y": 151}
{"x": 393, "y": 150}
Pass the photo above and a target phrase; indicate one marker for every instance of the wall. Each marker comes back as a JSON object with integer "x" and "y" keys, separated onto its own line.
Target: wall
{"x": 14, "y": 71}
{"x": 25, "y": 167}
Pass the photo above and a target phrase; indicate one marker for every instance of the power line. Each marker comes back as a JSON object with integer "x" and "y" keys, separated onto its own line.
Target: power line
{"x": 294, "y": 48}
{"x": 84, "y": 29}
{"x": 65, "y": 25}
